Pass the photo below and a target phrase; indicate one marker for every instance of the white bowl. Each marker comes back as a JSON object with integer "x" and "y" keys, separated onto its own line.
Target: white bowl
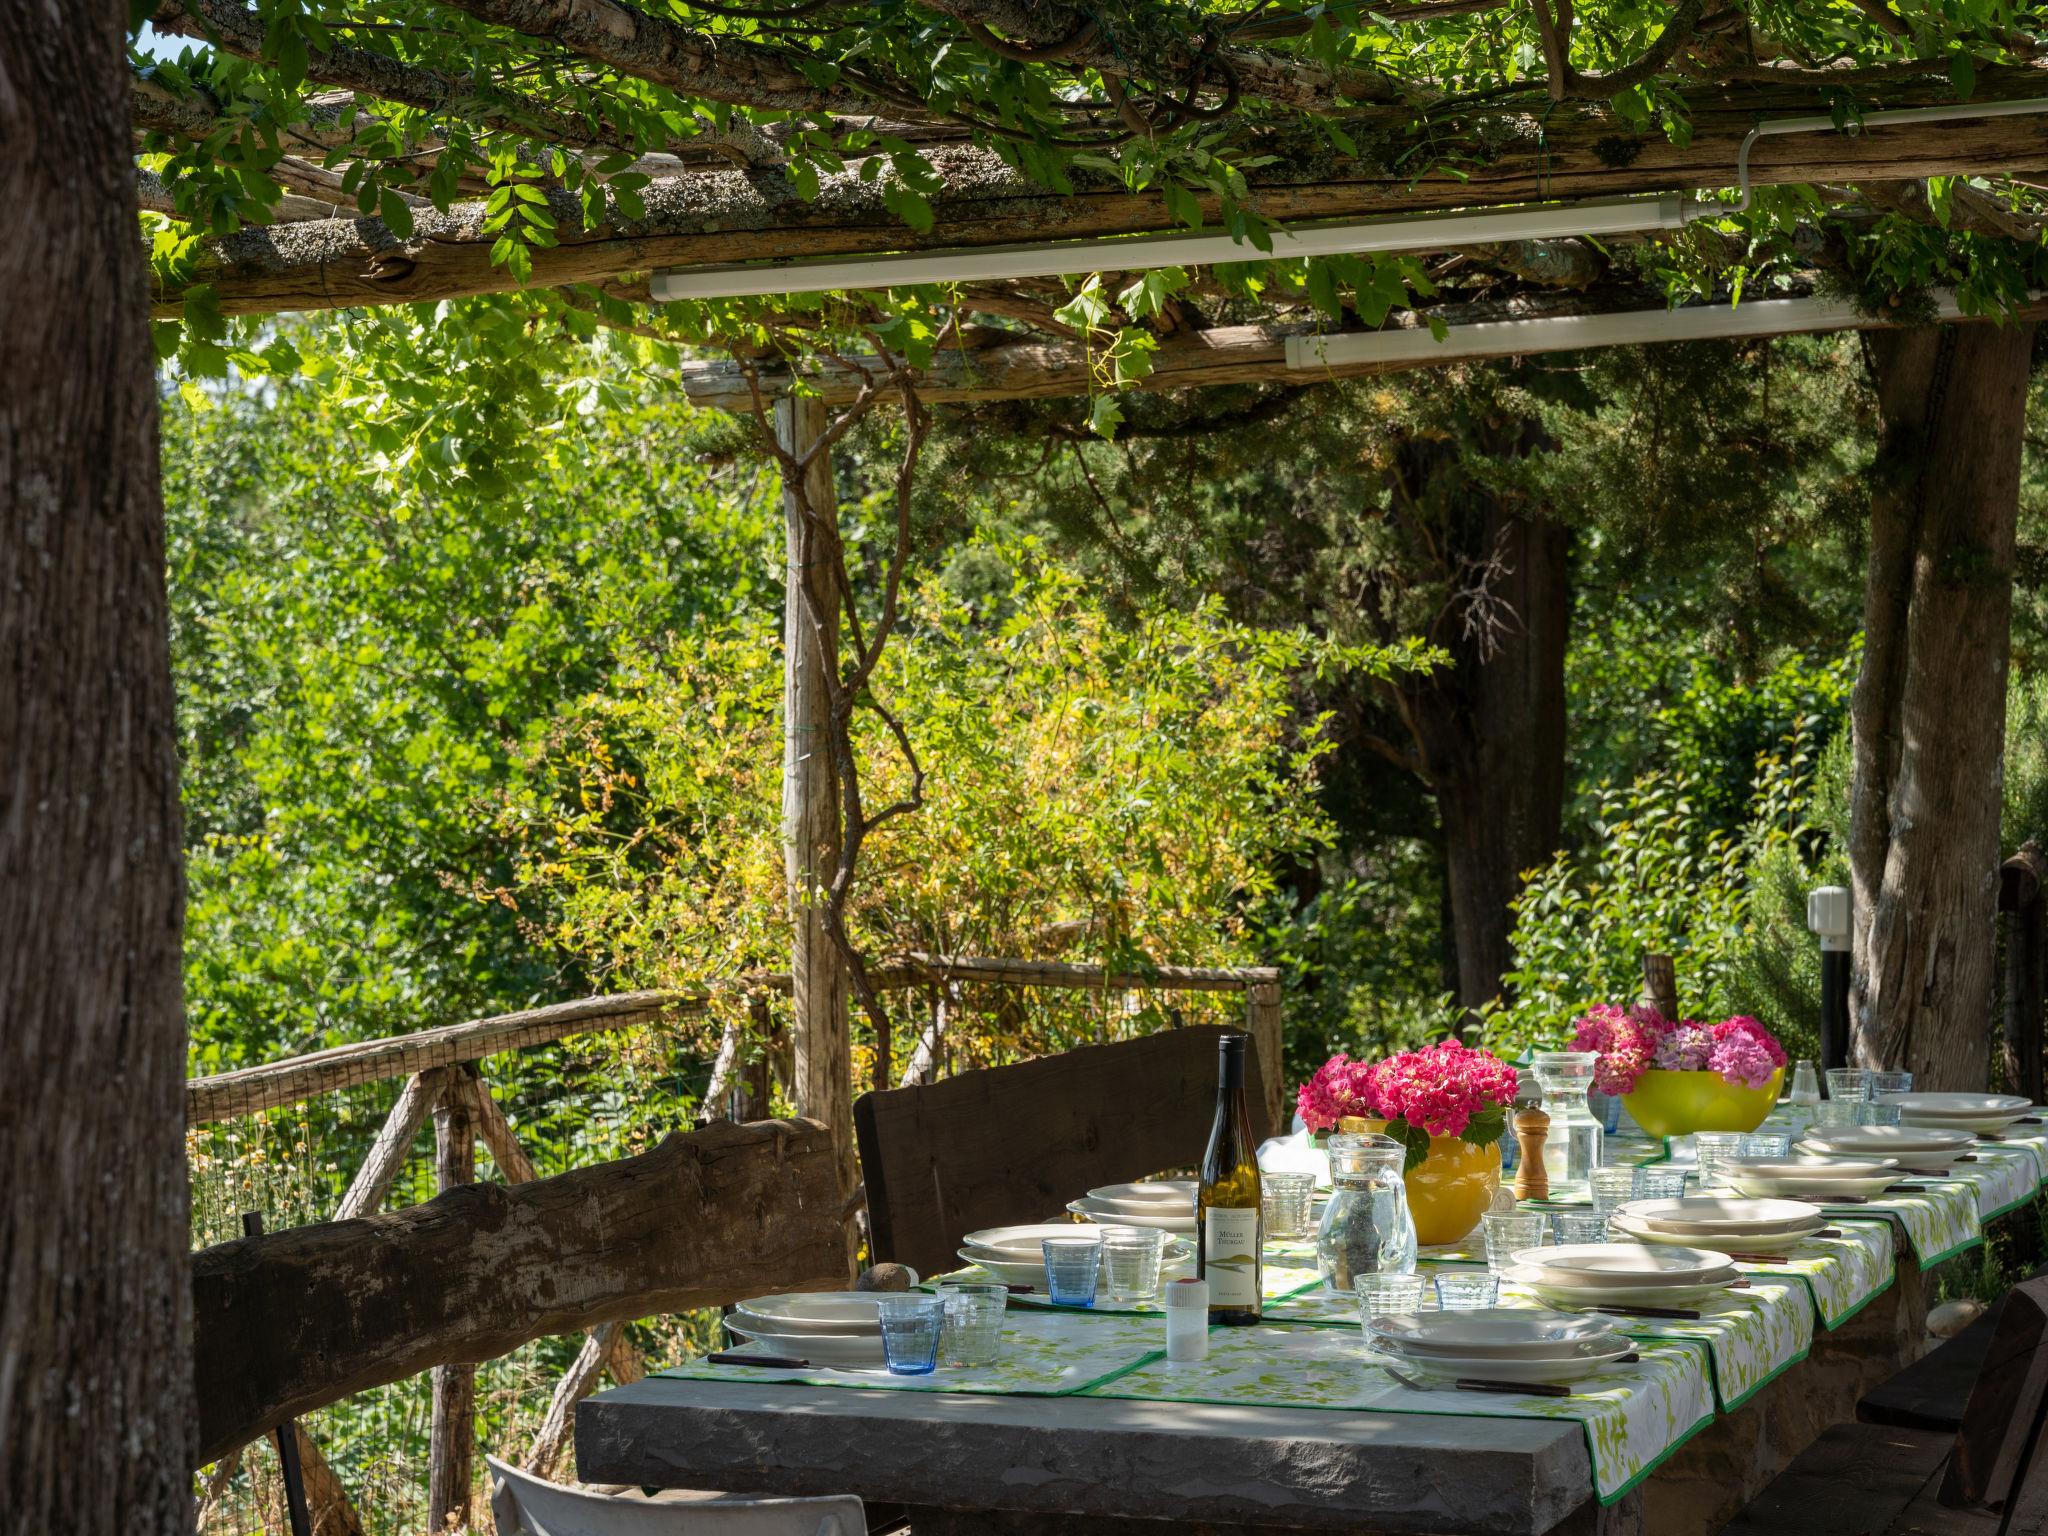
{"x": 1503, "y": 1332}
{"x": 1158, "y": 1192}
{"x": 1587, "y": 1359}
{"x": 817, "y": 1312}
{"x": 1900, "y": 1141}
{"x": 1813, "y": 1167}
{"x": 1707, "y": 1216}
{"x": 1025, "y": 1239}
{"x": 835, "y": 1349}
{"x": 1974, "y": 1105}
{"x": 1599, "y": 1266}
{"x": 1810, "y": 1187}
{"x": 1772, "y": 1240}
{"x": 1102, "y": 1215}
{"x": 1569, "y": 1296}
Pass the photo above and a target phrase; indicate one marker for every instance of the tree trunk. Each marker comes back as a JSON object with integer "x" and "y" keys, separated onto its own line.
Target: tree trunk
{"x": 1489, "y": 731}
{"x": 810, "y": 798}
{"x": 95, "y": 1317}
{"x": 1928, "y": 713}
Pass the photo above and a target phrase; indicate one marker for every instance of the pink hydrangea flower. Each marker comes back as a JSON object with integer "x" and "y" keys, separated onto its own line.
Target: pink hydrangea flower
{"x": 1745, "y": 1052}
{"x": 1438, "y": 1089}
{"x": 1626, "y": 1040}
{"x": 1635, "y": 1040}
{"x": 1685, "y": 1047}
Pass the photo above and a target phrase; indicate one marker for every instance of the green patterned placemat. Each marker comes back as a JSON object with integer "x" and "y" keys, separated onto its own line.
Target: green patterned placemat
{"x": 1940, "y": 1218}
{"x": 1044, "y": 1354}
{"x": 1633, "y": 1415}
{"x": 1842, "y": 1274}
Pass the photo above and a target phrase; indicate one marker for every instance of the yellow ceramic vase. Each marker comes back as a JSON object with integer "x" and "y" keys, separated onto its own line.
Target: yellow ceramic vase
{"x": 1679, "y": 1103}
{"x": 1449, "y": 1190}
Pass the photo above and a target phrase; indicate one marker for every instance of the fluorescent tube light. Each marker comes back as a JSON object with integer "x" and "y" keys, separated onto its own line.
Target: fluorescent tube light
{"x": 1133, "y": 253}
{"x": 1569, "y": 333}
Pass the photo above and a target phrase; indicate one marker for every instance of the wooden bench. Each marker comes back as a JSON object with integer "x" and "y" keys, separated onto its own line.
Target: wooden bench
{"x": 1984, "y": 1477}
{"x": 1015, "y": 1144}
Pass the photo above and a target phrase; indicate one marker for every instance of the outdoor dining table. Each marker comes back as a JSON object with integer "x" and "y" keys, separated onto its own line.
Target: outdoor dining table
{"x": 1288, "y": 1425}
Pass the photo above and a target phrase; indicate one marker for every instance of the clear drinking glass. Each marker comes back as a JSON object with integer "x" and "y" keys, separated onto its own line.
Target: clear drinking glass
{"x": 1714, "y": 1149}
{"x": 1130, "y": 1264}
{"x": 1877, "y": 1114}
{"x": 1611, "y": 1188}
{"x": 1507, "y": 1235}
{"x": 1805, "y": 1084}
{"x": 1766, "y": 1144}
{"x": 1878, "y": 1084}
{"x": 1284, "y": 1200}
{"x": 1836, "y": 1112}
{"x": 1465, "y": 1292}
{"x": 1072, "y": 1265}
{"x": 910, "y": 1333}
{"x": 1383, "y": 1292}
{"x": 1848, "y": 1083}
{"x": 1579, "y": 1227}
{"x": 973, "y": 1329}
{"x": 1573, "y": 1149}
{"x": 1660, "y": 1182}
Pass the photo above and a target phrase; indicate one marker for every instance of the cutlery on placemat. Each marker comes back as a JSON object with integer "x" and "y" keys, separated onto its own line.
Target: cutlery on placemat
{"x": 1472, "y": 1384}
{"x": 773, "y": 1362}
{"x": 2028, "y": 1120}
{"x": 1850, "y": 1199}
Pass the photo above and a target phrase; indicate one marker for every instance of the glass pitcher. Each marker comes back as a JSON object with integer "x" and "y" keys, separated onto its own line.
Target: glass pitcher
{"x": 1366, "y": 1228}
{"x": 1573, "y": 1150}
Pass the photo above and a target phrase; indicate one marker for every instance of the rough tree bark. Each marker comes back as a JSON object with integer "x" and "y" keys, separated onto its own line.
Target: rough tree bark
{"x": 1929, "y": 708}
{"x": 810, "y": 802}
{"x": 1488, "y": 732}
{"x": 95, "y": 1363}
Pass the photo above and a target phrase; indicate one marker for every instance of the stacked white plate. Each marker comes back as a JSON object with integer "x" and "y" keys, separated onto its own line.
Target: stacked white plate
{"x": 1621, "y": 1274}
{"x": 1819, "y": 1179}
{"x": 1162, "y": 1215}
{"x": 1015, "y": 1255}
{"x": 1498, "y": 1344}
{"x": 1158, "y": 1197}
{"x": 1728, "y": 1222}
{"x": 1988, "y": 1113}
{"x": 841, "y": 1328}
{"x": 1918, "y": 1148}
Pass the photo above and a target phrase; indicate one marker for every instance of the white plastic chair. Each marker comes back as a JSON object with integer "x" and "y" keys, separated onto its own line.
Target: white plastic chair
{"x": 526, "y": 1505}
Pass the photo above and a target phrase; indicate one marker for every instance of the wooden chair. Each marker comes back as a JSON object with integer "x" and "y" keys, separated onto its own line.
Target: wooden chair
{"x": 1015, "y": 1144}
{"x": 525, "y": 1505}
{"x": 1988, "y": 1478}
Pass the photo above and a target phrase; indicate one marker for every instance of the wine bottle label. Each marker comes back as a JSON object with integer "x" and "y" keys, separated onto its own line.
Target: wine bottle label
{"x": 1230, "y": 1256}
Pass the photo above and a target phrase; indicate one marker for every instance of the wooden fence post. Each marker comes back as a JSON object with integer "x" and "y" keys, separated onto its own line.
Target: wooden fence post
{"x": 1660, "y": 984}
{"x": 451, "y": 1439}
{"x": 1266, "y": 1019}
{"x": 2023, "y": 897}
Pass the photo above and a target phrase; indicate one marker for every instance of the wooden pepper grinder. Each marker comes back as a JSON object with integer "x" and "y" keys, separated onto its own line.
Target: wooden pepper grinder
{"x": 1532, "y": 1179}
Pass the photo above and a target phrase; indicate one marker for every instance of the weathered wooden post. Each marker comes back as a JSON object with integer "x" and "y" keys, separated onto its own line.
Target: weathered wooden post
{"x": 451, "y": 1436}
{"x": 2023, "y": 897}
{"x": 810, "y": 782}
{"x": 1264, "y": 1020}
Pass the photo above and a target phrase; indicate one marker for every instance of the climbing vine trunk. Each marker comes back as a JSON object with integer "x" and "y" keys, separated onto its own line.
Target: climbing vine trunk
{"x": 1488, "y": 731}
{"x": 810, "y": 788}
{"x": 95, "y": 1347}
{"x": 1929, "y": 706}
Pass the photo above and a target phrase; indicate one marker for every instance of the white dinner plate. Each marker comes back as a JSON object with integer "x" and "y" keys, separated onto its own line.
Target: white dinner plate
{"x": 1503, "y": 1332}
{"x": 1809, "y": 1187}
{"x": 1975, "y": 1105}
{"x": 1910, "y": 1163}
{"x": 1031, "y": 1272}
{"x": 1621, "y": 1296}
{"x": 1976, "y": 1125}
{"x": 818, "y": 1311}
{"x": 1023, "y": 1241}
{"x": 1707, "y": 1216}
{"x": 1095, "y": 1211}
{"x": 850, "y": 1349}
{"x": 1590, "y": 1358}
{"x": 1813, "y": 1167}
{"x": 1771, "y": 1240}
{"x": 1596, "y": 1266}
{"x": 1155, "y": 1193}
{"x": 1900, "y": 1141}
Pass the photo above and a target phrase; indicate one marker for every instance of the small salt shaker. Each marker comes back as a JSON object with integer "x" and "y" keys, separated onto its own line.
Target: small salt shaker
{"x": 1187, "y": 1319}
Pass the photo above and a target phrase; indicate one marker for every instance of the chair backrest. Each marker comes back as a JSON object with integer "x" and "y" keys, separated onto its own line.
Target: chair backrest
{"x": 1015, "y": 1144}
{"x": 525, "y": 1505}
{"x": 1998, "y": 1461}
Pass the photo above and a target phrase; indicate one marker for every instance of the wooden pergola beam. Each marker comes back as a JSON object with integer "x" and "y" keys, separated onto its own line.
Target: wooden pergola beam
{"x": 1483, "y": 159}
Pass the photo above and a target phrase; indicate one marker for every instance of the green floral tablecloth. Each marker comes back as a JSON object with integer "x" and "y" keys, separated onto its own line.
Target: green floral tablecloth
{"x": 1045, "y": 1354}
{"x": 1634, "y": 1415}
{"x": 1841, "y": 1274}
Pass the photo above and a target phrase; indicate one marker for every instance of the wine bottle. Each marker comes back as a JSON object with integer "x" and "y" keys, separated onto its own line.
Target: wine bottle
{"x": 1227, "y": 1236}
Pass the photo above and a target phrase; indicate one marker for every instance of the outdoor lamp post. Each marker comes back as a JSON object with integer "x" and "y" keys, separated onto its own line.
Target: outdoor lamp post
{"x": 1827, "y": 914}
